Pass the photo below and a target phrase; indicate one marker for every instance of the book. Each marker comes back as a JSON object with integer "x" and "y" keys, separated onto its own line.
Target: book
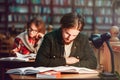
{"x": 45, "y": 76}
{"x": 28, "y": 70}
{"x": 57, "y": 71}
{"x": 30, "y": 56}
{"x": 48, "y": 74}
{"x": 14, "y": 59}
{"x": 20, "y": 57}
{"x": 23, "y": 70}
{"x": 62, "y": 69}
{"x": 73, "y": 69}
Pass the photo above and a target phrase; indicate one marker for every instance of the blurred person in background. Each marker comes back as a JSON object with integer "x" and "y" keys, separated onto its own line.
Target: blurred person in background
{"x": 114, "y": 30}
{"x": 30, "y": 40}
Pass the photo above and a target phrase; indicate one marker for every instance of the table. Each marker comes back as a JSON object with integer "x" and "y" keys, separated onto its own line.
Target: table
{"x": 12, "y": 64}
{"x": 16, "y": 64}
{"x": 63, "y": 76}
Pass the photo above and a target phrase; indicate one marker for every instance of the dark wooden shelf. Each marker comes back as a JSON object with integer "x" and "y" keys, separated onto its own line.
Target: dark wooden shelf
{"x": 52, "y": 10}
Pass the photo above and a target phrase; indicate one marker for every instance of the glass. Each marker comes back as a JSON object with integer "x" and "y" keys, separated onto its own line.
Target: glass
{"x": 31, "y": 30}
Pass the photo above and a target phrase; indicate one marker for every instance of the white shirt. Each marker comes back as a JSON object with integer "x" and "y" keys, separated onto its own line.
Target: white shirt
{"x": 67, "y": 49}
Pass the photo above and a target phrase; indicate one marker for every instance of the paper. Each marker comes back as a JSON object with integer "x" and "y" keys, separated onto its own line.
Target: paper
{"x": 72, "y": 69}
{"x": 24, "y": 70}
{"x": 62, "y": 69}
{"x": 44, "y": 76}
{"x": 28, "y": 70}
{"x": 31, "y": 55}
{"x": 14, "y": 59}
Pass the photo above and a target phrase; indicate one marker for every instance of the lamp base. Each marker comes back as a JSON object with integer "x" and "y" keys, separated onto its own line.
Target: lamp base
{"x": 108, "y": 75}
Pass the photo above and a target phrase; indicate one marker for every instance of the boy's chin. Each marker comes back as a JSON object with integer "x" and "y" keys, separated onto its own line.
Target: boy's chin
{"x": 65, "y": 42}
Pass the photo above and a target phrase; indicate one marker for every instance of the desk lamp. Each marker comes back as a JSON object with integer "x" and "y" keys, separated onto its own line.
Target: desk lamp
{"x": 98, "y": 41}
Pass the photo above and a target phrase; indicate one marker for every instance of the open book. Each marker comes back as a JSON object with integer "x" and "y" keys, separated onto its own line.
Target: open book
{"x": 31, "y": 55}
{"x": 72, "y": 69}
{"x": 14, "y": 59}
{"x": 23, "y": 70}
{"x": 28, "y": 70}
{"x": 20, "y": 57}
{"x": 62, "y": 69}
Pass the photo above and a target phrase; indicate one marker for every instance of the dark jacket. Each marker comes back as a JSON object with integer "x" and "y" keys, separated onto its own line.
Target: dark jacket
{"x": 51, "y": 52}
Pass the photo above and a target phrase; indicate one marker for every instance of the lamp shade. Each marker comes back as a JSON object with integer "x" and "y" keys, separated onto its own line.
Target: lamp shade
{"x": 98, "y": 39}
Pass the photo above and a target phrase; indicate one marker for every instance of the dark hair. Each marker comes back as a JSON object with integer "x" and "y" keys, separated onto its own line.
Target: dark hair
{"x": 39, "y": 23}
{"x": 68, "y": 20}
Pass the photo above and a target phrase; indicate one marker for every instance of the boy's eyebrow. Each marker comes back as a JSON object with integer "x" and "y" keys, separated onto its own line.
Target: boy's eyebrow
{"x": 70, "y": 33}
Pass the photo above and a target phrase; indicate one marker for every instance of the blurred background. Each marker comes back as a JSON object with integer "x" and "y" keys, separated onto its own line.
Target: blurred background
{"x": 99, "y": 16}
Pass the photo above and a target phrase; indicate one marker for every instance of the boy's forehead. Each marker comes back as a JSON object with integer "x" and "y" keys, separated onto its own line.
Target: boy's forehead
{"x": 72, "y": 31}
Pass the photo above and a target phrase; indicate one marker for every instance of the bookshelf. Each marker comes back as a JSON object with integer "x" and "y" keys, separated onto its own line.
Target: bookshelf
{"x": 19, "y": 14}
{"x": 59, "y": 8}
{"x": 85, "y": 8}
{"x": 99, "y": 15}
{"x": 3, "y": 15}
{"x": 20, "y": 11}
{"x": 116, "y": 12}
{"x": 103, "y": 14}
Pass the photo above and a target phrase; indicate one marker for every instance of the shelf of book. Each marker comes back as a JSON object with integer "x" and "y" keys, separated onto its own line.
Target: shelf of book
{"x": 103, "y": 14}
{"x": 98, "y": 14}
{"x": 3, "y": 15}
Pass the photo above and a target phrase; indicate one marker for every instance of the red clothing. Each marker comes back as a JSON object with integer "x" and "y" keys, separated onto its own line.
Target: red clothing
{"x": 20, "y": 47}
{"x": 25, "y": 45}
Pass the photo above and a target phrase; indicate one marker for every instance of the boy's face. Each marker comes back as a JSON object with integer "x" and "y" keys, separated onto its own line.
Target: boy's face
{"x": 69, "y": 34}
